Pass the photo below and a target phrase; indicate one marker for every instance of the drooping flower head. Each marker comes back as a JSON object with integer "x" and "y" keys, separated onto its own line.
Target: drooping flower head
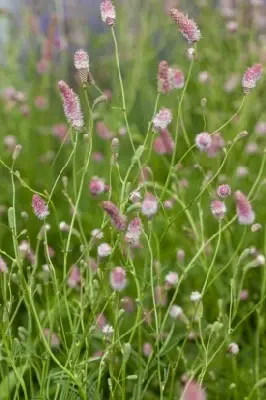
{"x": 71, "y": 106}
{"x": 118, "y": 220}
{"x": 251, "y": 76}
{"x": 39, "y": 206}
{"x": 82, "y": 64}
{"x": 245, "y": 213}
{"x": 162, "y": 119}
{"x": 186, "y": 26}
{"x": 108, "y": 13}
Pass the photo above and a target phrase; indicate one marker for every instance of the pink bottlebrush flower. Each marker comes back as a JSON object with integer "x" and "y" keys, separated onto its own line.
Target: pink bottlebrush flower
{"x": 60, "y": 131}
{"x": 82, "y": 64}
{"x": 160, "y": 296}
{"x": 118, "y": 279}
{"x": 163, "y": 79}
{"x": 203, "y": 141}
{"x": 118, "y": 220}
{"x": 127, "y": 303}
{"x": 3, "y": 266}
{"x": 251, "y": 76}
{"x": 39, "y": 206}
{"x": 108, "y": 13}
{"x": 149, "y": 205}
{"x": 41, "y": 102}
{"x": 218, "y": 209}
{"x": 162, "y": 119}
{"x": 217, "y": 144}
{"x": 74, "y": 277}
{"x": 104, "y": 250}
{"x": 71, "y": 106}
{"x": 260, "y": 128}
{"x": 26, "y": 251}
{"x": 223, "y": 191}
{"x": 177, "y": 78}
{"x": 246, "y": 215}
{"x": 186, "y": 26}
{"x": 171, "y": 279}
{"x": 8, "y": 93}
{"x": 159, "y": 146}
{"x": 97, "y": 186}
{"x": 103, "y": 131}
{"x": 147, "y": 349}
{"x": 51, "y": 337}
{"x": 133, "y": 232}
{"x": 193, "y": 391}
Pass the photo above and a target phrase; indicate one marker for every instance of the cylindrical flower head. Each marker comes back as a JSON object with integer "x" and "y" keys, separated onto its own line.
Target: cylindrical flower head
{"x": 71, "y": 106}
{"x": 74, "y": 277}
{"x": 251, "y": 76}
{"x": 162, "y": 119}
{"x": 118, "y": 279}
{"x": 39, "y": 206}
{"x": 223, "y": 191}
{"x": 97, "y": 186}
{"x": 82, "y": 64}
{"x": 246, "y": 215}
{"x": 177, "y": 78}
{"x": 133, "y": 232}
{"x": 163, "y": 81}
{"x": 108, "y": 13}
{"x": 149, "y": 206}
{"x": 104, "y": 250}
{"x": 186, "y": 26}
{"x": 194, "y": 391}
{"x": 218, "y": 209}
{"x": 203, "y": 141}
{"x": 118, "y": 220}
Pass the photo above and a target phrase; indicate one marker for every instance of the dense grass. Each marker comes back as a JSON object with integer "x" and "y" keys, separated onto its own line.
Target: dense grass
{"x": 149, "y": 355}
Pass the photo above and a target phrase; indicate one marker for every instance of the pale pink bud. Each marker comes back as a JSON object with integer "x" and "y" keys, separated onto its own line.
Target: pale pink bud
{"x": 186, "y": 26}
{"x": 243, "y": 296}
{"x": 97, "y": 234}
{"x": 97, "y": 186}
{"x": 163, "y": 82}
{"x": 218, "y": 209}
{"x": 51, "y": 337}
{"x": 108, "y": 13}
{"x": 144, "y": 174}
{"x": 160, "y": 296}
{"x": 10, "y": 141}
{"x": 162, "y": 119}
{"x": 223, "y": 191}
{"x": 64, "y": 227}
{"x": 193, "y": 391}
{"x": 118, "y": 279}
{"x": 74, "y": 278}
{"x": 231, "y": 26}
{"x": 171, "y": 279}
{"x": 3, "y": 266}
{"x": 251, "y": 76}
{"x": 233, "y": 348}
{"x": 203, "y": 141}
{"x": 82, "y": 64}
{"x": 245, "y": 213}
{"x": 104, "y": 250}
{"x": 71, "y": 106}
{"x": 118, "y": 220}
{"x": 147, "y": 349}
{"x": 133, "y": 232}
{"x": 180, "y": 255}
{"x": 39, "y": 206}
{"x": 149, "y": 206}
{"x": 168, "y": 204}
{"x": 177, "y": 78}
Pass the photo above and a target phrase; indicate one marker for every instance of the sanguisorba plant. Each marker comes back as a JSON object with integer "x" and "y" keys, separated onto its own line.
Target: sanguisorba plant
{"x": 140, "y": 290}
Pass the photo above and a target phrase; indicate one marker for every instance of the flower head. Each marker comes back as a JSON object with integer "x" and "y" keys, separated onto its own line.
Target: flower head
{"x": 218, "y": 209}
{"x": 3, "y": 266}
{"x": 163, "y": 82}
{"x": 39, "y": 206}
{"x": 223, "y": 191}
{"x": 164, "y": 144}
{"x": 186, "y": 26}
{"x": 118, "y": 279}
{"x": 82, "y": 64}
{"x": 175, "y": 311}
{"x": 104, "y": 250}
{"x": 171, "y": 278}
{"x": 71, "y": 106}
{"x": 118, "y": 220}
{"x": 97, "y": 186}
{"x": 162, "y": 119}
{"x": 108, "y": 13}
{"x": 233, "y": 348}
{"x": 245, "y": 213}
{"x": 251, "y": 76}
{"x": 177, "y": 78}
{"x": 133, "y": 232}
{"x": 195, "y": 297}
{"x": 193, "y": 391}
{"x": 149, "y": 205}
{"x": 203, "y": 141}
{"x": 74, "y": 278}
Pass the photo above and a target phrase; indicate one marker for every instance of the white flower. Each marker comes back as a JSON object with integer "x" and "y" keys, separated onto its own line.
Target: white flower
{"x": 104, "y": 250}
{"x": 97, "y": 234}
{"x": 233, "y": 348}
{"x": 108, "y": 330}
{"x": 175, "y": 311}
{"x": 195, "y": 297}
{"x": 172, "y": 278}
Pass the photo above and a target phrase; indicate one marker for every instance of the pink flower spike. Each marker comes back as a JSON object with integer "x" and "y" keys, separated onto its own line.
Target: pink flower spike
{"x": 186, "y": 26}
{"x": 245, "y": 213}
{"x": 82, "y": 64}
{"x": 251, "y": 76}
{"x": 108, "y": 13}
{"x": 74, "y": 278}
{"x": 162, "y": 119}
{"x": 71, "y": 106}
{"x": 118, "y": 220}
{"x": 39, "y": 206}
{"x": 134, "y": 232}
{"x": 218, "y": 209}
{"x": 118, "y": 279}
{"x": 193, "y": 391}
{"x": 163, "y": 82}
{"x": 177, "y": 78}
